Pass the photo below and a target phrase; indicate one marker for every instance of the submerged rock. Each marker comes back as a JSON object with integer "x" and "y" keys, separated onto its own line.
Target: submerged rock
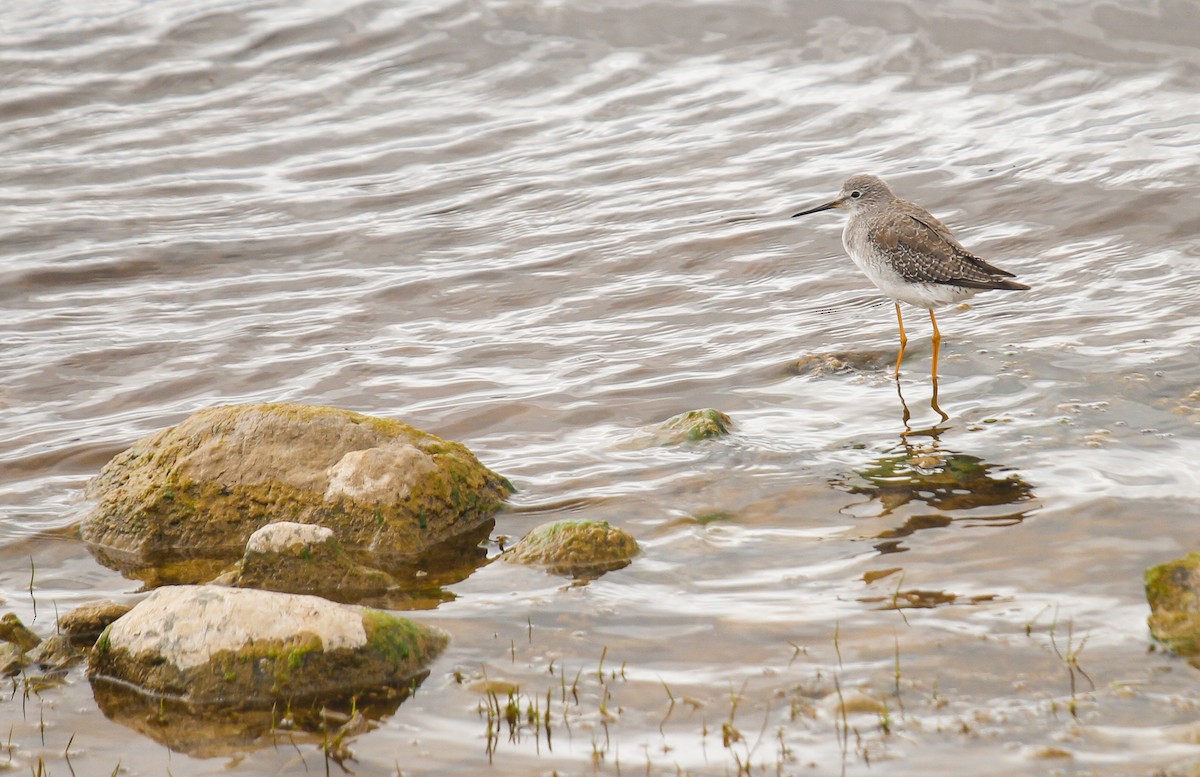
{"x": 20, "y": 648}
{"x": 1173, "y": 591}
{"x": 302, "y": 558}
{"x": 821, "y": 364}
{"x": 203, "y": 487}
{"x": 579, "y": 548}
{"x": 1189, "y": 406}
{"x": 56, "y": 652}
{"x": 691, "y": 426}
{"x": 84, "y": 624}
{"x": 243, "y": 649}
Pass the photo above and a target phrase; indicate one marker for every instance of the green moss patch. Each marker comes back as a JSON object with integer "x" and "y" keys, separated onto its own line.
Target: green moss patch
{"x": 1173, "y": 592}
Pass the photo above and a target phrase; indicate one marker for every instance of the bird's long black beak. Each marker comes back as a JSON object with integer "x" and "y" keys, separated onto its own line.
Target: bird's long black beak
{"x": 831, "y": 204}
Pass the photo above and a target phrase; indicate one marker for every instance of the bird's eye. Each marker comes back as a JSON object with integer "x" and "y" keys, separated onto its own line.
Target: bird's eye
{"x": 855, "y": 195}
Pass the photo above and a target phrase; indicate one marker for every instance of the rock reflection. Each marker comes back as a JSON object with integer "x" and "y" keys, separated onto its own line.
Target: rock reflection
{"x": 920, "y": 471}
{"x": 204, "y": 732}
{"x": 421, "y": 583}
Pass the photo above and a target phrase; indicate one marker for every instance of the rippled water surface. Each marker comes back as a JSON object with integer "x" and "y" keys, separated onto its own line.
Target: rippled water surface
{"x": 538, "y": 227}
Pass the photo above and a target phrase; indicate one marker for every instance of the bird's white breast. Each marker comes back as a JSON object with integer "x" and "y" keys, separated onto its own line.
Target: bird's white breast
{"x": 875, "y": 264}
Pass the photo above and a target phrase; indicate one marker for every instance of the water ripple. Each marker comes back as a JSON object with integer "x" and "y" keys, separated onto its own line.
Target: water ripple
{"x": 541, "y": 228}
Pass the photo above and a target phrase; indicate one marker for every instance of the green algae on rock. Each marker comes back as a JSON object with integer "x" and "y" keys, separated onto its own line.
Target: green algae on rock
{"x": 21, "y": 648}
{"x": 692, "y": 426}
{"x": 17, "y": 633}
{"x": 1173, "y": 592}
{"x": 202, "y": 487}
{"x": 302, "y": 558}
{"x": 579, "y": 548}
{"x": 243, "y": 649}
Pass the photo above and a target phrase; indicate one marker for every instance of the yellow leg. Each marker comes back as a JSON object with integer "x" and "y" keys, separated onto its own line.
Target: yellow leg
{"x": 937, "y": 344}
{"x": 933, "y": 399}
{"x": 903, "y": 339}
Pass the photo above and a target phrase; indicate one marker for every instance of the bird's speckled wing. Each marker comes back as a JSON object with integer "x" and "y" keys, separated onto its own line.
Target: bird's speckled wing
{"x": 922, "y": 250}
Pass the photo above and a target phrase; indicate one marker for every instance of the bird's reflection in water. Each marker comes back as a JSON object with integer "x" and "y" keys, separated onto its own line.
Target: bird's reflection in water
{"x": 920, "y": 472}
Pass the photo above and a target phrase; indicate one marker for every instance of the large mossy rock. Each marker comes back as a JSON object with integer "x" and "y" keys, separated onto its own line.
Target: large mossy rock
{"x": 243, "y": 649}
{"x": 1173, "y": 591}
{"x": 202, "y": 487}
{"x": 577, "y": 548}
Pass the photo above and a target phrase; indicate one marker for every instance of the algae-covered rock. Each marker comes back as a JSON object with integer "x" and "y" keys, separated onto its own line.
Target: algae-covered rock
{"x": 84, "y": 624}
{"x": 1173, "y": 591}
{"x": 692, "y": 426}
{"x": 580, "y": 548}
{"x": 302, "y": 558}
{"x": 21, "y": 648}
{"x": 17, "y": 633}
{"x": 242, "y": 648}
{"x": 202, "y": 487}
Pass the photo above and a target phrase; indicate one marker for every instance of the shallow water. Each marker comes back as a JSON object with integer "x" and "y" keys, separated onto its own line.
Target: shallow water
{"x": 536, "y": 228}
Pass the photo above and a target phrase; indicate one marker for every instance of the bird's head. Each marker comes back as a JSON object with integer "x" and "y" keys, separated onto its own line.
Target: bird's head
{"x": 858, "y": 191}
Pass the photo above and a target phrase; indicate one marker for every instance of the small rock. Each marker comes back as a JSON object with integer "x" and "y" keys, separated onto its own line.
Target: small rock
{"x": 301, "y": 558}
{"x": 1173, "y": 592}
{"x": 84, "y": 624}
{"x": 579, "y": 548}
{"x": 15, "y": 632}
{"x": 12, "y": 659}
{"x": 243, "y": 648}
{"x": 692, "y": 426}
{"x": 57, "y": 652}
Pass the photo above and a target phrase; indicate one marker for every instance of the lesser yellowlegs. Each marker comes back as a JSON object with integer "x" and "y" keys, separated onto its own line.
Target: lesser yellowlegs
{"x": 909, "y": 254}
